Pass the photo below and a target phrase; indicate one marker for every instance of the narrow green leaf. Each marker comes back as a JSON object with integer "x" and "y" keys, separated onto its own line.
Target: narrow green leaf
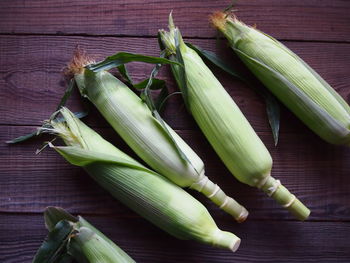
{"x": 162, "y": 102}
{"x": 161, "y": 98}
{"x": 55, "y": 244}
{"x": 37, "y": 133}
{"x": 273, "y": 115}
{"x": 146, "y": 94}
{"x": 147, "y": 98}
{"x": 66, "y": 94}
{"x": 213, "y": 58}
{"x": 156, "y": 84}
{"x": 230, "y": 7}
{"x": 122, "y": 58}
{"x": 125, "y": 73}
{"x": 23, "y": 138}
{"x": 272, "y": 110}
{"x": 65, "y": 97}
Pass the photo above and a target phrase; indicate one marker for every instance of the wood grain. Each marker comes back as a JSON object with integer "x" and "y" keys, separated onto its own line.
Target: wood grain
{"x": 264, "y": 241}
{"x": 37, "y": 39}
{"x": 315, "y": 171}
{"x": 299, "y": 20}
{"x": 31, "y": 82}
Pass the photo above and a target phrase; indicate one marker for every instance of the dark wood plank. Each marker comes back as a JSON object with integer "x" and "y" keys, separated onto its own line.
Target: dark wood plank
{"x": 269, "y": 241}
{"x": 31, "y": 85}
{"x": 31, "y": 82}
{"x": 301, "y": 20}
{"x": 315, "y": 171}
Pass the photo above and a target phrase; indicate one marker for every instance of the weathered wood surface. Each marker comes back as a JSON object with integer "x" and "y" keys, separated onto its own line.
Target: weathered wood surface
{"x": 37, "y": 61}
{"x": 289, "y": 241}
{"x": 315, "y": 171}
{"x": 37, "y": 39}
{"x": 300, "y": 20}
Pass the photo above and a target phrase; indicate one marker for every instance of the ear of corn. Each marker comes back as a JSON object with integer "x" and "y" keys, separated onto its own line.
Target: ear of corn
{"x": 53, "y": 215}
{"x": 290, "y": 79}
{"x": 94, "y": 248}
{"x": 146, "y": 192}
{"x": 224, "y": 125}
{"x": 134, "y": 122}
{"x": 72, "y": 237}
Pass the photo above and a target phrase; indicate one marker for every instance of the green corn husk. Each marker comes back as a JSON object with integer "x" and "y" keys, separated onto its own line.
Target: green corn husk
{"x": 134, "y": 122}
{"x": 290, "y": 79}
{"x": 96, "y": 249}
{"x": 83, "y": 241}
{"x": 224, "y": 125}
{"x": 149, "y": 194}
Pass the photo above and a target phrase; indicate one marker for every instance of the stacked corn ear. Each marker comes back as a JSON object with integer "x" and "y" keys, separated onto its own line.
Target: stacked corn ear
{"x": 133, "y": 121}
{"x": 224, "y": 125}
{"x": 80, "y": 240}
{"x": 149, "y": 194}
{"x": 290, "y": 79}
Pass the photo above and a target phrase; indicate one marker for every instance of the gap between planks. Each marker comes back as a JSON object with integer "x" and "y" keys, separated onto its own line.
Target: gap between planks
{"x": 155, "y": 37}
{"x": 256, "y": 219}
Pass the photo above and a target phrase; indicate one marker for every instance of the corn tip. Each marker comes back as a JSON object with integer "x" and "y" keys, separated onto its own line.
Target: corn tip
{"x": 171, "y": 21}
{"x": 218, "y": 20}
{"x": 79, "y": 60}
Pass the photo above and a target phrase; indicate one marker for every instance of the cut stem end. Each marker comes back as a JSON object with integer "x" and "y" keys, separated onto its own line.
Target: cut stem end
{"x": 281, "y": 194}
{"x": 218, "y": 197}
{"x": 227, "y": 240}
{"x": 243, "y": 216}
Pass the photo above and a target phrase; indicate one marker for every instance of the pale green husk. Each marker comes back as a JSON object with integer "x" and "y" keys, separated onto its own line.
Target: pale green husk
{"x": 146, "y": 192}
{"x": 290, "y": 79}
{"x": 94, "y": 248}
{"x": 224, "y": 125}
{"x": 134, "y": 122}
{"x": 86, "y": 243}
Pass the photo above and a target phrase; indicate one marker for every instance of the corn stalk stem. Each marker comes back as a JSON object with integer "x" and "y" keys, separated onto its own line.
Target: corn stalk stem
{"x": 286, "y": 199}
{"x": 218, "y": 197}
{"x": 227, "y": 240}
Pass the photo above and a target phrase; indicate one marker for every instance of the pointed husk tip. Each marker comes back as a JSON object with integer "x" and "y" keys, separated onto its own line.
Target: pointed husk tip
{"x": 69, "y": 130}
{"x": 219, "y": 20}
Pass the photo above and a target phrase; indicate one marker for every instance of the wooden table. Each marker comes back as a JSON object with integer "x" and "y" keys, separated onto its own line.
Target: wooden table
{"x": 37, "y": 39}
